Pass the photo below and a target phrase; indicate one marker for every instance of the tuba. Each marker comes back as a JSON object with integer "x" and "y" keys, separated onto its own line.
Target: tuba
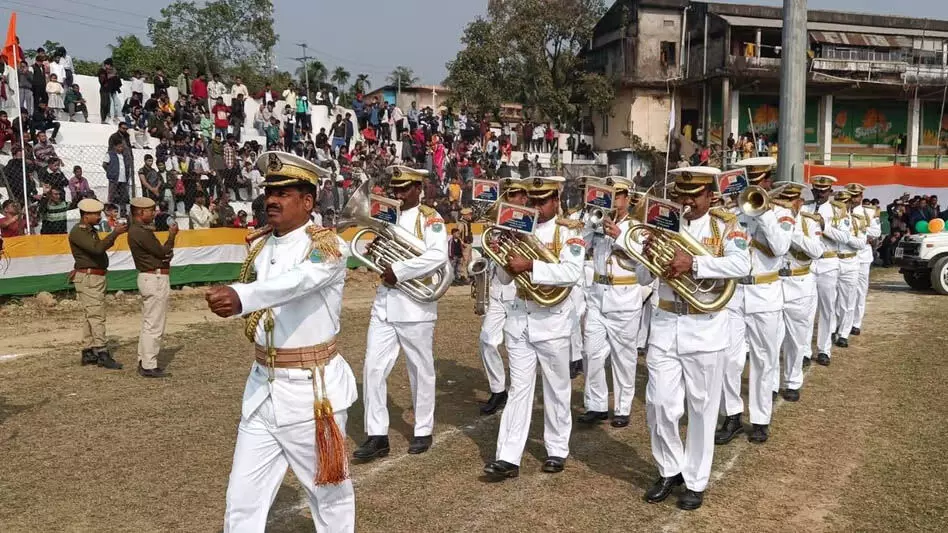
{"x": 392, "y": 244}
{"x": 707, "y": 296}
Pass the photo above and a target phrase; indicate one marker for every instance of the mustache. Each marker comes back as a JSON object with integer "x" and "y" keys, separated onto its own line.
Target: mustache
{"x": 275, "y": 207}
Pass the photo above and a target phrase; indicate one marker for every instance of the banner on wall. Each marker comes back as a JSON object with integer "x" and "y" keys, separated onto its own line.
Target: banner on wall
{"x": 765, "y": 111}
{"x": 888, "y": 183}
{"x": 869, "y": 122}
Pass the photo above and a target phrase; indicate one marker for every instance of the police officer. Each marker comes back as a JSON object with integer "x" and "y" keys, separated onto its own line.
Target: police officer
{"x": 299, "y": 389}
{"x": 613, "y": 315}
{"x": 868, "y": 216}
{"x": 399, "y": 321}
{"x": 88, "y": 276}
{"x": 535, "y": 334}
{"x": 492, "y": 328}
{"x": 686, "y": 347}
{"x": 153, "y": 262}
{"x": 760, "y": 300}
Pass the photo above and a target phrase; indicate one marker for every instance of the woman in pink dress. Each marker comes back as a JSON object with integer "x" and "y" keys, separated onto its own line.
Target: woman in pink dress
{"x": 437, "y": 156}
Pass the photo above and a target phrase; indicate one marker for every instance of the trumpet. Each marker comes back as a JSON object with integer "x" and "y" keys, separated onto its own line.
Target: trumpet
{"x": 754, "y": 201}
{"x": 390, "y": 245}
{"x": 480, "y": 284}
{"x": 707, "y": 296}
{"x": 530, "y": 247}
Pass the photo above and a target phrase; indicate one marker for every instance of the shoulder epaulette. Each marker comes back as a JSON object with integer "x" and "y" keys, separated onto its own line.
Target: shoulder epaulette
{"x": 571, "y": 224}
{"x": 257, "y": 233}
{"x": 723, "y": 214}
{"x": 839, "y": 205}
{"x": 782, "y": 203}
{"x": 324, "y": 242}
{"x": 812, "y": 216}
{"x": 427, "y": 211}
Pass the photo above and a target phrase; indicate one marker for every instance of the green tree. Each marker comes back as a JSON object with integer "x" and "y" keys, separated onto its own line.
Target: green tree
{"x": 402, "y": 75}
{"x": 130, "y": 54}
{"x": 213, "y": 34}
{"x": 362, "y": 83}
{"x": 476, "y": 76}
{"x": 49, "y": 47}
{"x": 340, "y": 77}
{"x": 315, "y": 71}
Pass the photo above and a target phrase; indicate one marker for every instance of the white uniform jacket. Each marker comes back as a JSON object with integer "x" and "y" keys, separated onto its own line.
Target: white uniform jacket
{"x": 856, "y": 238}
{"x": 770, "y": 236}
{"x": 874, "y": 231}
{"x": 392, "y": 304}
{"x": 700, "y": 332}
{"x": 500, "y": 291}
{"x": 806, "y": 246}
{"x": 556, "y": 322}
{"x": 304, "y": 291}
{"x": 834, "y": 235}
{"x": 606, "y": 297}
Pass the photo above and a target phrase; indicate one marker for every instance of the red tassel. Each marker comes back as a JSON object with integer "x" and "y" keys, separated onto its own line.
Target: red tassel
{"x": 333, "y": 461}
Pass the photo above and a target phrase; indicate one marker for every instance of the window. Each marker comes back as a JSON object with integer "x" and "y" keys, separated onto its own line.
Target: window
{"x": 667, "y": 55}
{"x": 669, "y": 23}
{"x": 605, "y": 124}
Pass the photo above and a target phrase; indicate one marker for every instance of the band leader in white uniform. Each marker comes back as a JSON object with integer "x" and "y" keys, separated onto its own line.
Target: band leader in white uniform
{"x": 759, "y": 298}
{"x": 613, "y": 314}
{"x": 578, "y": 295}
{"x": 492, "y": 328}
{"x": 399, "y": 321}
{"x": 299, "y": 388}
{"x": 847, "y": 291}
{"x": 686, "y": 348}
{"x": 870, "y": 215}
{"x": 799, "y": 292}
{"x": 540, "y": 335}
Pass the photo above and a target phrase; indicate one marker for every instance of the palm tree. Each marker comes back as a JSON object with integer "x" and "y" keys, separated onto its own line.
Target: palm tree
{"x": 340, "y": 77}
{"x": 403, "y": 76}
{"x": 362, "y": 83}
{"x": 315, "y": 72}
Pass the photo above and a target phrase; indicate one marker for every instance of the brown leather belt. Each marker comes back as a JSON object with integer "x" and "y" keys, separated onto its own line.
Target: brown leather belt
{"x": 848, "y": 255}
{"x": 90, "y": 271}
{"x": 678, "y": 308}
{"x": 615, "y": 280}
{"x": 304, "y": 357}
{"x": 161, "y": 271}
{"x": 759, "y": 279}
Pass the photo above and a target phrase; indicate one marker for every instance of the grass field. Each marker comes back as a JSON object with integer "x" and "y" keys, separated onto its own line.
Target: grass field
{"x": 83, "y": 449}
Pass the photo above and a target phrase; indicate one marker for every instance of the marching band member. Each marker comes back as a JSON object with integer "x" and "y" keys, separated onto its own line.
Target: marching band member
{"x": 299, "y": 389}
{"x": 578, "y": 295}
{"x": 536, "y": 334}
{"x": 870, "y": 216}
{"x": 399, "y": 321}
{"x": 847, "y": 291}
{"x": 760, "y": 300}
{"x": 799, "y": 292}
{"x": 492, "y": 328}
{"x": 613, "y": 313}
{"x": 686, "y": 348}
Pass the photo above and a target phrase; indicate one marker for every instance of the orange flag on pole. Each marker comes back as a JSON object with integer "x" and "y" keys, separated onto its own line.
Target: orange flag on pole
{"x": 11, "y": 49}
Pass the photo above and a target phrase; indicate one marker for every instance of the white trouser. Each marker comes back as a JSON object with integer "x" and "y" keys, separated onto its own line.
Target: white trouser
{"x": 644, "y": 323}
{"x": 576, "y": 336}
{"x": 492, "y": 334}
{"x": 674, "y": 378}
{"x": 381, "y": 351}
{"x": 863, "y": 288}
{"x": 846, "y": 293}
{"x": 605, "y": 335}
{"x": 735, "y": 357}
{"x": 798, "y": 325}
{"x": 765, "y": 333}
{"x": 523, "y": 355}
{"x": 261, "y": 456}
{"x": 826, "y": 284}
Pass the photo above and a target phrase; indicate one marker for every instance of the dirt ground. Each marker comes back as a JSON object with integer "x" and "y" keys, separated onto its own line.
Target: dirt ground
{"x": 84, "y": 449}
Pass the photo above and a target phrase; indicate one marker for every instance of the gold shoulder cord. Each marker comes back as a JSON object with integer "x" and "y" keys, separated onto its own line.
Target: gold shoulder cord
{"x": 248, "y": 275}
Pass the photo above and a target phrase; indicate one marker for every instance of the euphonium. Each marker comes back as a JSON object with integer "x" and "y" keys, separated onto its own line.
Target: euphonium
{"x": 392, "y": 244}
{"x": 707, "y": 296}
{"x": 530, "y": 247}
{"x": 480, "y": 285}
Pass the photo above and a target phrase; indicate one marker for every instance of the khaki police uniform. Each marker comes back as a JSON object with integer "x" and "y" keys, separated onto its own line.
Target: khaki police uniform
{"x": 152, "y": 260}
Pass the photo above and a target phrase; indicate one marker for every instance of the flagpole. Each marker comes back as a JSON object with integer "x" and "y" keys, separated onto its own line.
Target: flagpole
{"x": 16, "y": 77}
{"x": 671, "y": 129}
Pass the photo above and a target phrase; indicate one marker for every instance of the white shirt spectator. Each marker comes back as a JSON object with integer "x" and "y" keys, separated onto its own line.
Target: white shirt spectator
{"x": 538, "y": 132}
{"x": 59, "y": 69}
{"x": 66, "y": 62}
{"x": 200, "y": 217}
{"x": 239, "y": 88}
{"x": 215, "y": 89}
{"x": 138, "y": 85}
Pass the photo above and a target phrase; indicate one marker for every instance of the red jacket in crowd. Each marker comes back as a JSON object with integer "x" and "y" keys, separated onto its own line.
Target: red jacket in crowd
{"x": 199, "y": 88}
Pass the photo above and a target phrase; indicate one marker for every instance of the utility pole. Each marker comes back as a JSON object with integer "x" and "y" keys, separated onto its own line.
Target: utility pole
{"x": 792, "y": 91}
{"x": 305, "y": 60}
{"x": 398, "y": 89}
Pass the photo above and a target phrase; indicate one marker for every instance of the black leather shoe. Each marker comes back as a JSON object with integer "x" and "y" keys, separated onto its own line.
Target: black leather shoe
{"x": 419, "y": 445}
{"x": 841, "y": 342}
{"x": 553, "y": 465}
{"x": 855, "y": 331}
{"x": 662, "y": 488}
{"x": 575, "y": 368}
{"x": 374, "y": 446}
{"x": 104, "y": 359}
{"x": 773, "y": 396}
{"x": 835, "y": 336}
{"x": 791, "y": 395}
{"x": 620, "y": 421}
{"x": 758, "y": 434}
{"x": 495, "y": 402}
{"x": 823, "y": 359}
{"x": 806, "y": 362}
{"x": 151, "y": 372}
{"x": 89, "y": 357}
{"x": 501, "y": 470}
{"x": 593, "y": 417}
{"x": 690, "y": 500}
{"x": 731, "y": 428}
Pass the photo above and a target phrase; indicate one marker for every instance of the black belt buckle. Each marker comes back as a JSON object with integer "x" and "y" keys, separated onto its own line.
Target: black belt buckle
{"x": 785, "y": 272}
{"x": 681, "y": 308}
{"x": 746, "y": 280}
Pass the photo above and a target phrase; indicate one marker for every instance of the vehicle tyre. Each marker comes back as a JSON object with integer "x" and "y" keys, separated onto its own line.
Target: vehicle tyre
{"x": 919, "y": 281}
{"x": 939, "y": 276}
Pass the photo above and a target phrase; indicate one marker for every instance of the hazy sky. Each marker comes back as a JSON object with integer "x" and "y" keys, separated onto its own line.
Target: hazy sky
{"x": 367, "y": 36}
